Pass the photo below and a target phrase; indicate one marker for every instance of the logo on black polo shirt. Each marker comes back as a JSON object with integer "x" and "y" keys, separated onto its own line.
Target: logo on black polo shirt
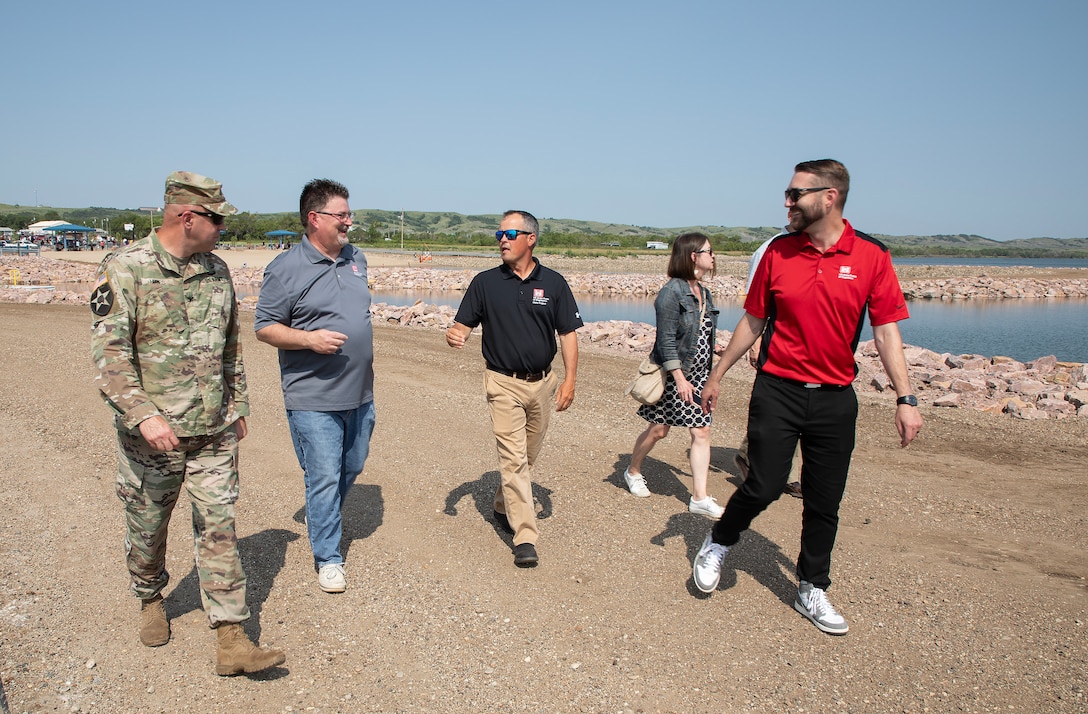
{"x": 539, "y": 298}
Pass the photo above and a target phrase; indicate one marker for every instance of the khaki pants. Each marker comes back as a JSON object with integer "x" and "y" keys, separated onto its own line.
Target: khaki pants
{"x": 520, "y": 412}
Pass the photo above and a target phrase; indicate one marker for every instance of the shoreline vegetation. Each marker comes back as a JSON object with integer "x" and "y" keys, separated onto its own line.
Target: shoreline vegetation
{"x": 1044, "y": 388}
{"x": 433, "y": 230}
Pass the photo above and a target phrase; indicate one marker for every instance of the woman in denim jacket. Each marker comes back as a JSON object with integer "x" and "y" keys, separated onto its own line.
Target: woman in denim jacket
{"x": 686, "y": 325}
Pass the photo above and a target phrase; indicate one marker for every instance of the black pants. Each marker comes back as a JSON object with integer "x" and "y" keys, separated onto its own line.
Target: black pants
{"x": 780, "y": 413}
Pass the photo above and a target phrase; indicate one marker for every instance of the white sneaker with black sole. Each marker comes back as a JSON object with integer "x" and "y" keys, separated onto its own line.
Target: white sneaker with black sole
{"x": 812, "y": 602}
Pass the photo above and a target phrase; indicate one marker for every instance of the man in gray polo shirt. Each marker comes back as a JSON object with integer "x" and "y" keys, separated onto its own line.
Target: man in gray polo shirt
{"x": 314, "y": 307}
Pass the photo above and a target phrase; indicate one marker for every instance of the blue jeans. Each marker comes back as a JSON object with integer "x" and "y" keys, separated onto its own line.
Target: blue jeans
{"x": 332, "y": 448}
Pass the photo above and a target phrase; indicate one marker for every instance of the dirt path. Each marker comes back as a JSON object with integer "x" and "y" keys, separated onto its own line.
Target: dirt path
{"x": 960, "y": 563}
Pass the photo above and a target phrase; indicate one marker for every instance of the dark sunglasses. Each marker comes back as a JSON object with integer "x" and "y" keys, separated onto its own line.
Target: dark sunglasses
{"x": 510, "y": 234}
{"x": 708, "y": 250}
{"x": 794, "y": 194}
{"x": 213, "y": 217}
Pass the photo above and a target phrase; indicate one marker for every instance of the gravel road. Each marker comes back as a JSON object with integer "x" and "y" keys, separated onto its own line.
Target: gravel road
{"x": 960, "y": 561}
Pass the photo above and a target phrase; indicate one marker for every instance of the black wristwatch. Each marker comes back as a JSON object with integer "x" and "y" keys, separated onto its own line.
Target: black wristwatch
{"x": 910, "y": 400}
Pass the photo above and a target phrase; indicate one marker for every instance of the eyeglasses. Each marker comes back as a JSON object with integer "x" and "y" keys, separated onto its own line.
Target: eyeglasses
{"x": 510, "y": 234}
{"x": 706, "y": 250}
{"x": 342, "y": 216}
{"x": 213, "y": 217}
{"x": 794, "y": 194}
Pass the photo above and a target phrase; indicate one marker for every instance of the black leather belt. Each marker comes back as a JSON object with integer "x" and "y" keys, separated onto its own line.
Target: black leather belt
{"x": 807, "y": 385}
{"x": 523, "y": 376}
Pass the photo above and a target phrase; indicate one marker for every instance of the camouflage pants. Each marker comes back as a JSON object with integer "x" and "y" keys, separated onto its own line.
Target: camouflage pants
{"x": 149, "y": 483}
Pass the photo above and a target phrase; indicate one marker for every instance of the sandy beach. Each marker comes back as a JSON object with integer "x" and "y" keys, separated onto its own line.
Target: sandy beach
{"x": 960, "y": 561}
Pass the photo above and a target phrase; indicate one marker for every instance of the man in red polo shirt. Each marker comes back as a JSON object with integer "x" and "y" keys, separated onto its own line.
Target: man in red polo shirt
{"x": 808, "y": 299}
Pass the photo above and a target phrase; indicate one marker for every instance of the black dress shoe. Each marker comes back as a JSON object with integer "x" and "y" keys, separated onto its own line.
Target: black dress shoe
{"x": 525, "y": 555}
{"x": 503, "y": 522}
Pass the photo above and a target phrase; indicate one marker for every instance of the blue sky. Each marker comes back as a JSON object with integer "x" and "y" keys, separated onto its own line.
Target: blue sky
{"x": 952, "y": 116}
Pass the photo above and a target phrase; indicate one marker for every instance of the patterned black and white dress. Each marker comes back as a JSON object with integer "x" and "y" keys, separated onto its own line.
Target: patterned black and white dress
{"x": 670, "y": 409}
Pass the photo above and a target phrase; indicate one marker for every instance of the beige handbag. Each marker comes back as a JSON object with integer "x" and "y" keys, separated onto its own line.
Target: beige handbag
{"x": 649, "y": 384}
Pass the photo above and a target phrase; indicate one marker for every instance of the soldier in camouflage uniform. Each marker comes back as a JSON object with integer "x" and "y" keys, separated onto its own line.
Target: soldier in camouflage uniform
{"x": 165, "y": 344}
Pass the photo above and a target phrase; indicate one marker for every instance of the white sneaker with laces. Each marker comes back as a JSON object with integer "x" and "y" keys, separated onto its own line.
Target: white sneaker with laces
{"x": 706, "y": 507}
{"x": 331, "y": 578}
{"x": 812, "y": 602}
{"x": 636, "y": 484}
{"x": 706, "y": 571}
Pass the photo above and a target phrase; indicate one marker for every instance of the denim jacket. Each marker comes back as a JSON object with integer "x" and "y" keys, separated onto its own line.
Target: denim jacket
{"x": 678, "y": 325}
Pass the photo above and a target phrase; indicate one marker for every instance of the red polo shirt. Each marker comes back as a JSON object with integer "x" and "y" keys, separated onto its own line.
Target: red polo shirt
{"x": 814, "y": 304}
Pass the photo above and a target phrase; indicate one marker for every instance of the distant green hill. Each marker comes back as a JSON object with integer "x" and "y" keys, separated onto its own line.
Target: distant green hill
{"x": 457, "y": 223}
{"x": 967, "y": 245}
{"x": 424, "y": 228}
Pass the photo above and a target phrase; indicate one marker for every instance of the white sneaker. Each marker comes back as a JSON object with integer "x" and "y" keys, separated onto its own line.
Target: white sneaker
{"x": 706, "y": 507}
{"x": 812, "y": 602}
{"x": 636, "y": 484}
{"x": 331, "y": 578}
{"x": 706, "y": 571}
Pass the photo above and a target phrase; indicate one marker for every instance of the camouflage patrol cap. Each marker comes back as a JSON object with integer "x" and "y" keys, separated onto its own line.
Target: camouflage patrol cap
{"x": 189, "y": 189}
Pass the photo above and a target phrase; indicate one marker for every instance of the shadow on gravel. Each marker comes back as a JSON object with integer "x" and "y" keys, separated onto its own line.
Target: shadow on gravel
{"x": 661, "y": 478}
{"x": 482, "y": 492}
{"x": 667, "y": 480}
{"x": 761, "y": 558}
{"x": 263, "y": 556}
{"x": 721, "y": 459}
{"x": 364, "y": 511}
{"x": 269, "y": 675}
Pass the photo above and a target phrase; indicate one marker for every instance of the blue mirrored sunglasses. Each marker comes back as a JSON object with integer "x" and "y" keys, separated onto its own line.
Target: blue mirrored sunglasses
{"x": 510, "y": 234}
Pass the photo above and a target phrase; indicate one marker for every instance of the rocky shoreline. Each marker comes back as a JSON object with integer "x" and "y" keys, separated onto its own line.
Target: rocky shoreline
{"x": 1044, "y": 388}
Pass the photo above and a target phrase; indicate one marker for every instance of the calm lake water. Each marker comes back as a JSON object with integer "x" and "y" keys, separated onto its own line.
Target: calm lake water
{"x": 1021, "y": 329}
{"x": 997, "y": 262}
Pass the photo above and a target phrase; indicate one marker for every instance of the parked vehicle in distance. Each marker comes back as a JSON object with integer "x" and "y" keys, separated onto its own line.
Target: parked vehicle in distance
{"x": 21, "y": 248}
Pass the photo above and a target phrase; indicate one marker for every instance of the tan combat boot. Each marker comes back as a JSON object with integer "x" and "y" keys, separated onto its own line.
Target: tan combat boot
{"x": 237, "y": 654}
{"x": 154, "y": 627}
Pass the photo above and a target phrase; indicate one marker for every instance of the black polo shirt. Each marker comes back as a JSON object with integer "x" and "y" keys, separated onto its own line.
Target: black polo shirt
{"x": 520, "y": 317}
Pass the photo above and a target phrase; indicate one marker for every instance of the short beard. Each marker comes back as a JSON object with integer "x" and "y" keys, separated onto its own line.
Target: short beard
{"x": 805, "y": 219}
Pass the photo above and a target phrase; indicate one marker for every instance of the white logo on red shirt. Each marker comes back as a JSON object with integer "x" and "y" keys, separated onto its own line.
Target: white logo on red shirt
{"x": 845, "y": 274}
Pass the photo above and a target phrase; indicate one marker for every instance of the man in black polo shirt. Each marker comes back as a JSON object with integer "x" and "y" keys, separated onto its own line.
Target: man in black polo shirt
{"x": 522, "y": 306}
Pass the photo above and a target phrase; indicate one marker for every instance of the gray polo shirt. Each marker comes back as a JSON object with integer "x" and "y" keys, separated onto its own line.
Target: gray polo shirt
{"x": 305, "y": 290}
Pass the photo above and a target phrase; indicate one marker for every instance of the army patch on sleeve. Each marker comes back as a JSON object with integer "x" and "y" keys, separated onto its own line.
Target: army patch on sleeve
{"x": 102, "y": 297}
